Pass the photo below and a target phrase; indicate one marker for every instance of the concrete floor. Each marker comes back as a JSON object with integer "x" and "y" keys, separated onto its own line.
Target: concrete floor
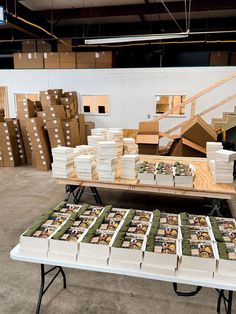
{"x": 25, "y": 193}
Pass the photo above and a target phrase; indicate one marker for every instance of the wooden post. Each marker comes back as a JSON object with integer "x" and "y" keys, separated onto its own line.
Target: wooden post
{"x": 193, "y": 105}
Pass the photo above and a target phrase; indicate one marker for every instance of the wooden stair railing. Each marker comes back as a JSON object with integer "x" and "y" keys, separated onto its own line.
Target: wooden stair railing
{"x": 194, "y": 97}
{"x": 219, "y": 104}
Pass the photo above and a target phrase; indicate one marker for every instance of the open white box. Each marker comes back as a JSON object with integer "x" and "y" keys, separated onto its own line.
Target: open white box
{"x": 195, "y": 264}
{"x": 96, "y": 261}
{"x": 92, "y": 250}
{"x": 165, "y": 271}
{"x": 184, "y": 181}
{"x": 134, "y": 266}
{"x": 65, "y": 247}
{"x": 122, "y": 255}
{"x": 160, "y": 260}
{"x": 164, "y": 179}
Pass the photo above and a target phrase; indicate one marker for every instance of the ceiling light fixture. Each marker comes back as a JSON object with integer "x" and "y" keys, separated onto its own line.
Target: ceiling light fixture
{"x": 135, "y": 38}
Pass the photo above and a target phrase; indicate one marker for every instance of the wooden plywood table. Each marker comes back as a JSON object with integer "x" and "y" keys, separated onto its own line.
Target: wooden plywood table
{"x": 203, "y": 182}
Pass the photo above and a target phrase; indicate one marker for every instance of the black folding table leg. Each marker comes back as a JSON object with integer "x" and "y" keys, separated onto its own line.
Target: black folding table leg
{"x": 96, "y": 195}
{"x": 227, "y": 301}
{"x": 185, "y": 294}
{"x": 43, "y": 289}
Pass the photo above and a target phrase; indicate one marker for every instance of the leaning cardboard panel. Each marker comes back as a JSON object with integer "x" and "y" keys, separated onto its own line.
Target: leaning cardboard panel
{"x": 8, "y": 144}
{"x": 1, "y": 158}
{"x": 25, "y": 108}
{"x": 55, "y": 132}
{"x": 26, "y": 141}
{"x": 19, "y": 141}
{"x": 198, "y": 131}
{"x": 82, "y": 130}
{"x": 179, "y": 149}
{"x": 71, "y": 132}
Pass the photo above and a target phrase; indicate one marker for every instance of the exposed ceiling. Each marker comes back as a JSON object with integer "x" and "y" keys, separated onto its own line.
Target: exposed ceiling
{"x": 89, "y": 18}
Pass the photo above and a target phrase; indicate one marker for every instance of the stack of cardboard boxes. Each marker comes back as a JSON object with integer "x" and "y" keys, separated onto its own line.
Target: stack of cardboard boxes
{"x": 30, "y": 137}
{"x": 148, "y": 138}
{"x": 38, "y": 55}
{"x": 9, "y": 151}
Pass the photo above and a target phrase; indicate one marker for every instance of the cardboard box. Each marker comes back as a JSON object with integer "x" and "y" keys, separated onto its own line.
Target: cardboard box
{"x": 29, "y": 46}
{"x": 20, "y": 60}
{"x": 35, "y": 60}
{"x": 51, "y": 60}
{"x": 55, "y": 132}
{"x": 150, "y": 127}
{"x": 8, "y": 144}
{"x": 43, "y": 46}
{"x": 85, "y": 60}
{"x": 25, "y": 109}
{"x": 82, "y": 131}
{"x": 42, "y": 115}
{"x": 198, "y": 131}
{"x": 233, "y": 58}
{"x": 103, "y": 59}
{"x": 67, "y": 60}
{"x": 88, "y": 127}
{"x": 37, "y": 105}
{"x": 219, "y": 58}
{"x": 61, "y": 47}
{"x": 147, "y": 139}
{"x": 71, "y": 132}
{"x": 48, "y": 99}
{"x": 148, "y": 149}
{"x": 55, "y": 112}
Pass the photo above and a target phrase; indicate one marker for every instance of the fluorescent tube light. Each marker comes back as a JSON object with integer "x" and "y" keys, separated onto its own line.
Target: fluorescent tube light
{"x": 2, "y": 19}
{"x": 133, "y": 38}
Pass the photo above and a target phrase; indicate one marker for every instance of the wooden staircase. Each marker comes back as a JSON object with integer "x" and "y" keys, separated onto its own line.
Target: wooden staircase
{"x": 227, "y": 121}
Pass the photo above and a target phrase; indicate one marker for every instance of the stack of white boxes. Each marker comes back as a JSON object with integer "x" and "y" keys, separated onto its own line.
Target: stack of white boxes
{"x": 107, "y": 161}
{"x": 116, "y": 135}
{"x": 222, "y": 166}
{"x": 130, "y": 148}
{"x": 63, "y": 165}
{"x": 85, "y": 167}
{"x": 84, "y": 150}
{"x": 99, "y": 132}
{"x": 211, "y": 147}
{"x": 93, "y": 141}
{"x": 129, "y": 166}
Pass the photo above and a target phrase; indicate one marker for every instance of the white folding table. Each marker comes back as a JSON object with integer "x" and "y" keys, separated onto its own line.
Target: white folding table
{"x": 58, "y": 265}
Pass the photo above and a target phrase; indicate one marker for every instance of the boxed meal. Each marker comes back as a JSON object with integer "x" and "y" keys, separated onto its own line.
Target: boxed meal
{"x": 35, "y": 240}
{"x": 226, "y": 270}
{"x": 127, "y": 251}
{"x": 228, "y": 236}
{"x": 169, "y": 219}
{"x": 196, "y": 233}
{"x": 138, "y": 228}
{"x": 184, "y": 175}
{"x": 118, "y": 213}
{"x": 146, "y": 173}
{"x": 194, "y": 220}
{"x": 161, "y": 255}
{"x": 164, "y": 174}
{"x": 143, "y": 216}
{"x": 197, "y": 258}
{"x": 110, "y": 224}
{"x": 223, "y": 223}
{"x": 93, "y": 211}
{"x": 95, "y": 247}
{"x": 168, "y": 231}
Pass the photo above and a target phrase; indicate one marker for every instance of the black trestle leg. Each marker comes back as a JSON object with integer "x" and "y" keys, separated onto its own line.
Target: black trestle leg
{"x": 43, "y": 289}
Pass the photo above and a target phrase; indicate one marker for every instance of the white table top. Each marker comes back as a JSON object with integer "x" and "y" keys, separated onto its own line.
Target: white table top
{"x": 210, "y": 283}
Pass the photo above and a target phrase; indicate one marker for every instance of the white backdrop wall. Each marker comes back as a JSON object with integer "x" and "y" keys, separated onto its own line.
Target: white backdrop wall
{"x": 132, "y": 91}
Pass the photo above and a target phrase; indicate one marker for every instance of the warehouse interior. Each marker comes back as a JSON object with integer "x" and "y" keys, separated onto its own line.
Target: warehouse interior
{"x": 121, "y": 109}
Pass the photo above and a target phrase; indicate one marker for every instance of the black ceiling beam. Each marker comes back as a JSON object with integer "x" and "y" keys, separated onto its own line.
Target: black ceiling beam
{"x": 16, "y": 8}
{"x": 117, "y": 29}
{"x": 137, "y": 9}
